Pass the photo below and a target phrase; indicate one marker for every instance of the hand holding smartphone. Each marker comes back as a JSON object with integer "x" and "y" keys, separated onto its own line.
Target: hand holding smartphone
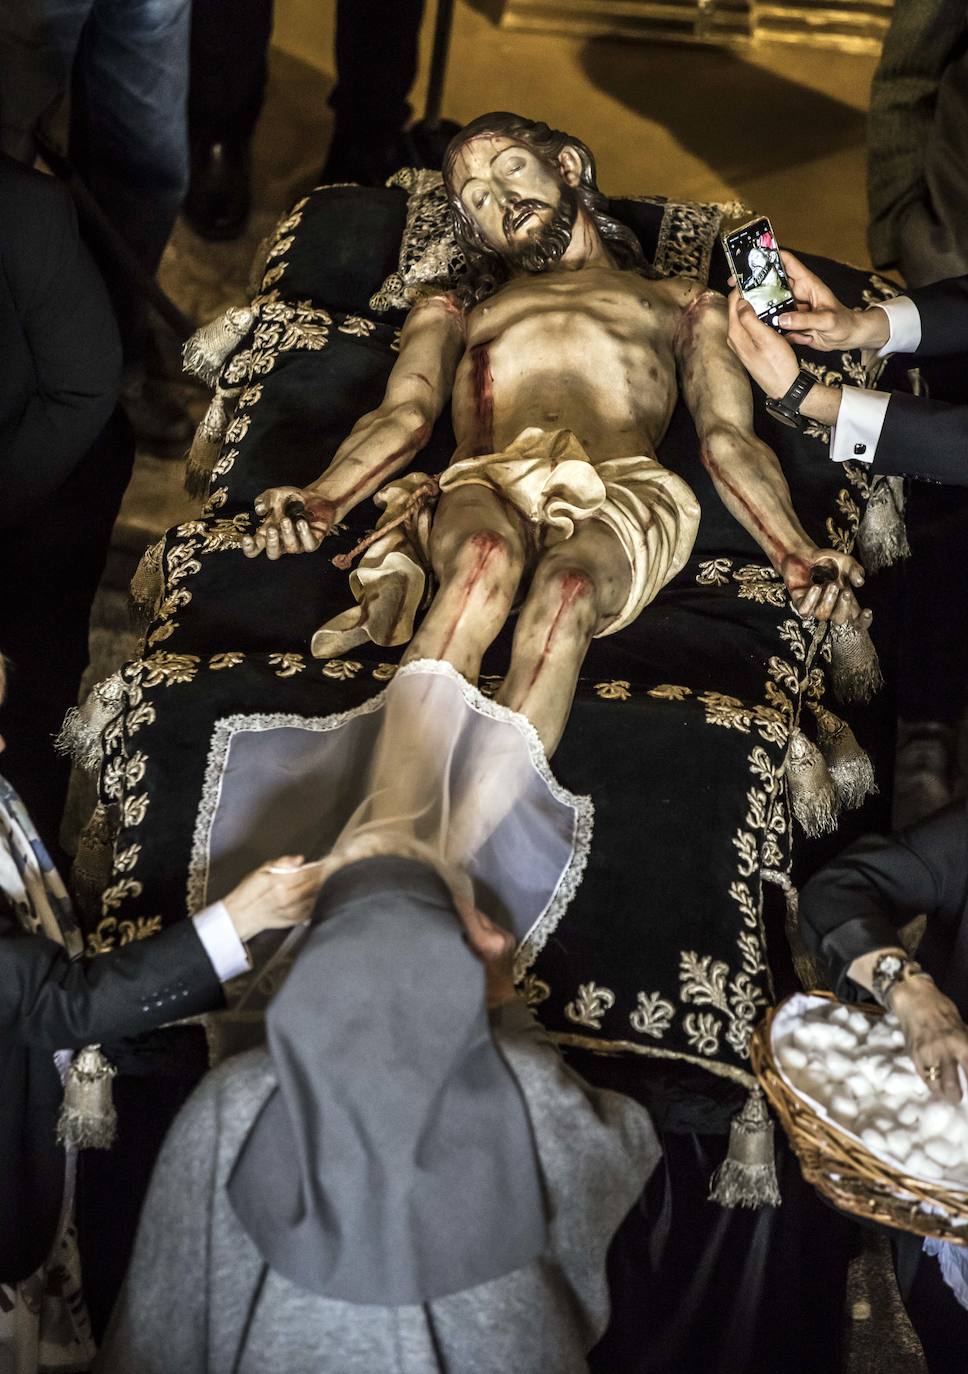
{"x": 754, "y": 259}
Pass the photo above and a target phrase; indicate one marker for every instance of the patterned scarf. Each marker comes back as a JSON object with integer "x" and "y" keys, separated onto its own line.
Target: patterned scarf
{"x": 28, "y": 879}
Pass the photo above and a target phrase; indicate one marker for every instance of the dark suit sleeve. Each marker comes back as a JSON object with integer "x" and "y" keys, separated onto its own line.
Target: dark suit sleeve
{"x": 925, "y": 439}
{"x": 857, "y": 903}
{"x": 50, "y": 1002}
{"x": 943, "y": 308}
{"x": 68, "y": 326}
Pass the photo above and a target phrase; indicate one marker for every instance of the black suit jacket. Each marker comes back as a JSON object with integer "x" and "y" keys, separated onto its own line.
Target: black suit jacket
{"x": 922, "y": 438}
{"x": 857, "y": 903}
{"x": 58, "y": 340}
{"x": 48, "y": 1002}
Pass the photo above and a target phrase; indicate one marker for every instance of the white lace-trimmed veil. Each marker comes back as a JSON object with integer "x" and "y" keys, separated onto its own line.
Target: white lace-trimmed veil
{"x": 429, "y": 761}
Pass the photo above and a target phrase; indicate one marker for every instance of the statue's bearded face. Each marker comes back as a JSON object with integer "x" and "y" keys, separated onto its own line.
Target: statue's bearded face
{"x": 520, "y": 204}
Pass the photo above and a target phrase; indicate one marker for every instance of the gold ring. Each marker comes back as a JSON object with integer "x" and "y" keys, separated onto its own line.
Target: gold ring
{"x": 932, "y": 1072}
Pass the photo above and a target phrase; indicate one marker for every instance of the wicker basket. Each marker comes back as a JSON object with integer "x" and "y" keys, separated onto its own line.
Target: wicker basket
{"x": 844, "y": 1170}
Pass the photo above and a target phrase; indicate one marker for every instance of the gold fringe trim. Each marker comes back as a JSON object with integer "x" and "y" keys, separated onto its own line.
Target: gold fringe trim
{"x": 813, "y": 796}
{"x": 847, "y": 763}
{"x": 206, "y": 446}
{"x": 747, "y": 1176}
{"x": 206, "y": 352}
{"x": 147, "y": 585}
{"x": 88, "y": 1120}
{"x": 854, "y": 668}
{"x": 882, "y": 537}
{"x": 80, "y": 734}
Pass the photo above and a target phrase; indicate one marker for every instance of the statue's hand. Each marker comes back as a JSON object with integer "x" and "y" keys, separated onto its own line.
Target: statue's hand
{"x": 294, "y": 520}
{"x": 821, "y": 586}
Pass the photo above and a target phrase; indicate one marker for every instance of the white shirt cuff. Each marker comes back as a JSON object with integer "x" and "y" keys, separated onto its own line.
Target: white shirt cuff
{"x": 904, "y": 320}
{"x": 221, "y": 942}
{"x": 853, "y": 439}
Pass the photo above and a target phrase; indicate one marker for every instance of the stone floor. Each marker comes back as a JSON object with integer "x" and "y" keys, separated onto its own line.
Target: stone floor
{"x": 779, "y": 127}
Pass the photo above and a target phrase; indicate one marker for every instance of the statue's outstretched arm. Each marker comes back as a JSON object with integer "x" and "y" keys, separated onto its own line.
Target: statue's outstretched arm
{"x": 297, "y": 519}
{"x": 747, "y": 473}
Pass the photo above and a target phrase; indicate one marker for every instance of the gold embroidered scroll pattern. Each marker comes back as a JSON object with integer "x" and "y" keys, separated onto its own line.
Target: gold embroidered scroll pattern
{"x": 652, "y": 1015}
{"x": 590, "y": 1005}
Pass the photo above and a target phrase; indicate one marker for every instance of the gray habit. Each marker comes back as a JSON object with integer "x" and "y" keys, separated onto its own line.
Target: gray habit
{"x": 199, "y": 1299}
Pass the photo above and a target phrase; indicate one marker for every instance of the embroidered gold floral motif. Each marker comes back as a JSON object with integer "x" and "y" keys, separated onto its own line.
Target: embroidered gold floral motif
{"x": 142, "y": 714}
{"x": 714, "y": 572}
{"x": 169, "y": 668}
{"x": 670, "y": 691}
{"x": 791, "y": 632}
{"x": 702, "y": 1031}
{"x": 112, "y": 897}
{"x": 134, "y": 810}
{"x": 227, "y": 660}
{"x": 288, "y": 665}
{"x": 138, "y": 929}
{"x": 281, "y": 246}
{"x": 726, "y": 711}
{"x": 274, "y": 274}
{"x": 590, "y": 1005}
{"x": 759, "y": 585}
{"x": 383, "y": 672}
{"x": 652, "y": 1016}
{"x": 782, "y": 673}
{"x": 534, "y": 990}
{"x": 341, "y": 669}
{"x": 161, "y": 632}
{"x": 357, "y": 327}
{"x": 125, "y": 859}
{"x": 618, "y": 690}
{"x": 703, "y": 980}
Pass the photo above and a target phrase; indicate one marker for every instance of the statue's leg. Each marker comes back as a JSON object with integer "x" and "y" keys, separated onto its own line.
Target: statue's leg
{"x": 478, "y": 552}
{"x": 578, "y": 586}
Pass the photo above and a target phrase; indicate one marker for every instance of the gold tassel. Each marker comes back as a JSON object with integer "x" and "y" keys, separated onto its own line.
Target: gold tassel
{"x": 206, "y": 446}
{"x": 854, "y": 669}
{"x": 94, "y": 860}
{"x": 205, "y": 353}
{"x": 88, "y": 1120}
{"x": 80, "y": 735}
{"x": 847, "y": 763}
{"x": 813, "y": 796}
{"x": 747, "y": 1176}
{"x": 882, "y": 536}
{"x": 147, "y": 585}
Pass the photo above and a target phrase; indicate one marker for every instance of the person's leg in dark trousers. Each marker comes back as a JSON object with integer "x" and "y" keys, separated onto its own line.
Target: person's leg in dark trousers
{"x": 376, "y": 63}
{"x": 132, "y": 147}
{"x": 50, "y": 573}
{"x": 38, "y": 43}
{"x": 229, "y": 66}
{"x": 129, "y": 141}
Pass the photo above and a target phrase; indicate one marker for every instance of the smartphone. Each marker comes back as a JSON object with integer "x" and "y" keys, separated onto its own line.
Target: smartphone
{"x": 754, "y": 259}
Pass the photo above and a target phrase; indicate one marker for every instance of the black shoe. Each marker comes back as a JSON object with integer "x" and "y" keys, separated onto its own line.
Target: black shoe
{"x": 217, "y": 203}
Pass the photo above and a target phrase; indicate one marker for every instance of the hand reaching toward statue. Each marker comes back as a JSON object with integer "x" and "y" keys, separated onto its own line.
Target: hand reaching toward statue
{"x": 821, "y": 587}
{"x": 294, "y": 520}
{"x": 279, "y": 893}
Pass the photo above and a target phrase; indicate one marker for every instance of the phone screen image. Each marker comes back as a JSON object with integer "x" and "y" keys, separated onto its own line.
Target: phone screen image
{"x": 755, "y": 259}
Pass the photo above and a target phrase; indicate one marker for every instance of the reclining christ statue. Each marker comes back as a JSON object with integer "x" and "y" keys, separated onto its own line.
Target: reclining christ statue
{"x": 559, "y": 350}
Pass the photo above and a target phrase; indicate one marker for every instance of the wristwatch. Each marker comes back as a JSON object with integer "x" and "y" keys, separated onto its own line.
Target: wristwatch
{"x": 891, "y": 969}
{"x": 786, "y": 408}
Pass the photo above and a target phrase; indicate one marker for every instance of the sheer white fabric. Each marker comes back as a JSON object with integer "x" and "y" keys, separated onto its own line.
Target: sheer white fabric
{"x": 430, "y": 768}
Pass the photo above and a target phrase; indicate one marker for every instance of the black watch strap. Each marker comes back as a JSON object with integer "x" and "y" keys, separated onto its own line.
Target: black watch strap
{"x": 787, "y": 406}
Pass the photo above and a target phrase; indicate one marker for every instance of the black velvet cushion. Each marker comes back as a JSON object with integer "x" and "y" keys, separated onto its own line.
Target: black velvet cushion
{"x": 681, "y": 721}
